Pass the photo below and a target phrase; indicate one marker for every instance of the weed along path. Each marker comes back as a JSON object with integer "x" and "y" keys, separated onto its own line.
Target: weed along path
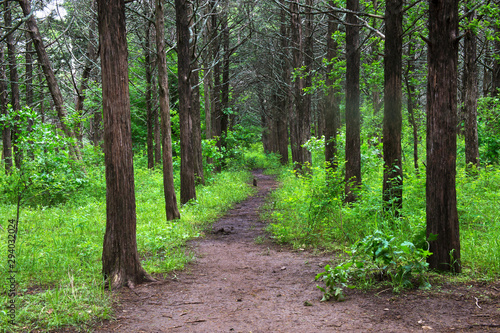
{"x": 242, "y": 282}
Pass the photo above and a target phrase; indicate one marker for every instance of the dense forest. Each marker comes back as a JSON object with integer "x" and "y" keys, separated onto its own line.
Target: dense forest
{"x": 129, "y": 126}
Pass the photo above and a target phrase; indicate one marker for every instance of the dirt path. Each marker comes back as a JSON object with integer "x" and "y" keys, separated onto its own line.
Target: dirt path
{"x": 242, "y": 282}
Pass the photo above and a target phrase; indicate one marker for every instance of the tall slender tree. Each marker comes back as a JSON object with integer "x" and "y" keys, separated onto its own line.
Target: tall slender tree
{"x": 352, "y": 114}
{"x": 188, "y": 190}
{"x": 168, "y": 168}
{"x": 442, "y": 216}
{"x": 120, "y": 260}
{"x": 393, "y": 169}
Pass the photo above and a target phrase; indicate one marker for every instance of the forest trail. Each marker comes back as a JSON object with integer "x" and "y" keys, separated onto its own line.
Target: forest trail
{"x": 241, "y": 281}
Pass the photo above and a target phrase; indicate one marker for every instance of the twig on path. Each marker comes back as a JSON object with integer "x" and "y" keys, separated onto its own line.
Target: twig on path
{"x": 477, "y": 302}
{"x": 185, "y": 303}
{"x": 196, "y": 321}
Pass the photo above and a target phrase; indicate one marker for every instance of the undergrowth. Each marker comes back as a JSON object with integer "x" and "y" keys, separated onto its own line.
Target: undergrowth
{"x": 58, "y": 250}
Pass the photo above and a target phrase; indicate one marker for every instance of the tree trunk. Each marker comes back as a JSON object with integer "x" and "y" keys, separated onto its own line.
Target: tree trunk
{"x": 224, "y": 116}
{"x": 495, "y": 75}
{"x": 196, "y": 109}
{"x": 120, "y": 259}
{"x": 308, "y": 63}
{"x": 168, "y": 168}
{"x": 29, "y": 71}
{"x": 393, "y": 170}
{"x": 282, "y": 123}
{"x": 411, "y": 101}
{"x": 442, "y": 217}
{"x": 149, "y": 96}
{"x": 353, "y": 126}
{"x": 331, "y": 109}
{"x": 44, "y": 60}
{"x": 157, "y": 127}
{"x": 471, "y": 92}
{"x": 6, "y": 131}
{"x": 188, "y": 190}
{"x": 301, "y": 121}
{"x": 14, "y": 83}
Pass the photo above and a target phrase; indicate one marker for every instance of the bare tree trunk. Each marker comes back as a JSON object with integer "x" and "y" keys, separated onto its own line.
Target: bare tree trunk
{"x": 29, "y": 70}
{"x": 188, "y": 190}
{"x": 149, "y": 97}
{"x": 411, "y": 101}
{"x": 495, "y": 75}
{"x": 157, "y": 127}
{"x": 6, "y": 131}
{"x": 331, "y": 109}
{"x": 44, "y": 61}
{"x": 14, "y": 83}
{"x": 442, "y": 217}
{"x": 168, "y": 168}
{"x": 393, "y": 119}
{"x": 196, "y": 109}
{"x": 471, "y": 94}
{"x": 120, "y": 259}
{"x": 352, "y": 114}
{"x": 224, "y": 120}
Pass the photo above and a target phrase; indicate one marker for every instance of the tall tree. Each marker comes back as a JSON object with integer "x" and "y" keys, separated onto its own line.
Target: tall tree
{"x": 332, "y": 104}
{"x": 150, "y": 114}
{"x": 282, "y": 100}
{"x": 352, "y": 115}
{"x": 393, "y": 170}
{"x": 188, "y": 190}
{"x": 168, "y": 168}
{"x": 120, "y": 259}
{"x": 6, "y": 131}
{"x": 442, "y": 217}
{"x": 470, "y": 90}
{"x": 15, "y": 98}
{"x": 44, "y": 61}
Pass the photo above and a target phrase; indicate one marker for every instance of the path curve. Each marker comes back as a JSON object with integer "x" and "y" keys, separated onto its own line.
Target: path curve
{"x": 242, "y": 282}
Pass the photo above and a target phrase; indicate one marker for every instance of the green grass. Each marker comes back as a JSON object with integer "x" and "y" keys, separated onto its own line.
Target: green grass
{"x": 308, "y": 211}
{"x": 58, "y": 251}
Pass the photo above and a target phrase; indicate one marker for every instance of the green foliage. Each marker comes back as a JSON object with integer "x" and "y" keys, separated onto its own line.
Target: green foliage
{"x": 489, "y": 129}
{"x": 47, "y": 174}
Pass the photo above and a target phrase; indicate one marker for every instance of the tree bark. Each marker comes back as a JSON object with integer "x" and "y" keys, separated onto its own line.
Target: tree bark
{"x": 44, "y": 60}
{"x": 393, "y": 170}
{"x": 282, "y": 121}
{"x": 495, "y": 75}
{"x": 149, "y": 96}
{"x": 188, "y": 191}
{"x": 411, "y": 102}
{"x": 120, "y": 259}
{"x": 14, "y": 83}
{"x": 6, "y": 131}
{"x": 471, "y": 95}
{"x": 352, "y": 114}
{"x": 331, "y": 108}
{"x": 168, "y": 168}
{"x": 442, "y": 217}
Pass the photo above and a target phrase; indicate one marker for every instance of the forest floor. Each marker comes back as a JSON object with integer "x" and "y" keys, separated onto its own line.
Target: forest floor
{"x": 241, "y": 281}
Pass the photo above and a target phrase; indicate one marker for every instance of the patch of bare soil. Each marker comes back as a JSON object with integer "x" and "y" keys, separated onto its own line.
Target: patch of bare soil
{"x": 242, "y": 282}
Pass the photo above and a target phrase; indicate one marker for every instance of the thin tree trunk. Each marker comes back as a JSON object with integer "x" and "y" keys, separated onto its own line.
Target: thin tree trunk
{"x": 44, "y": 61}
{"x": 442, "y": 217}
{"x": 188, "y": 191}
{"x": 331, "y": 109}
{"x": 6, "y": 131}
{"x": 393, "y": 170}
{"x": 495, "y": 75}
{"x": 471, "y": 92}
{"x": 411, "y": 98}
{"x": 14, "y": 83}
{"x": 353, "y": 121}
{"x": 196, "y": 109}
{"x": 149, "y": 96}
{"x": 120, "y": 259}
{"x": 168, "y": 168}
{"x": 29, "y": 70}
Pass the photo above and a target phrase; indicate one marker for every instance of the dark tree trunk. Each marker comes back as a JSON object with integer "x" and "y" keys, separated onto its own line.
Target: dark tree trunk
{"x": 353, "y": 121}
{"x": 301, "y": 121}
{"x": 393, "y": 171}
{"x": 375, "y": 87}
{"x": 411, "y": 102}
{"x": 120, "y": 259}
{"x": 150, "y": 114}
{"x": 29, "y": 70}
{"x": 308, "y": 63}
{"x": 471, "y": 92}
{"x": 331, "y": 109}
{"x": 216, "y": 112}
{"x": 6, "y": 131}
{"x": 14, "y": 83}
{"x": 157, "y": 126}
{"x": 282, "y": 122}
{"x": 188, "y": 190}
{"x": 442, "y": 217}
{"x": 168, "y": 168}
